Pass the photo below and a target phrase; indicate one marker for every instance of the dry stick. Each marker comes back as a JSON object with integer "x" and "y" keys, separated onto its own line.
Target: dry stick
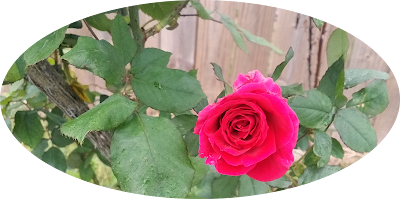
{"x": 90, "y": 29}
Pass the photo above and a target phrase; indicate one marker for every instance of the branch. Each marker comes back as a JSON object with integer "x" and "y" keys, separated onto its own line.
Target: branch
{"x": 51, "y": 83}
{"x": 138, "y": 34}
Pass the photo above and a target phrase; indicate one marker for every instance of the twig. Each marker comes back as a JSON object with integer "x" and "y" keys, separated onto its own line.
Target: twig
{"x": 302, "y": 157}
{"x": 305, "y": 134}
{"x": 90, "y": 29}
{"x": 151, "y": 20}
{"x": 196, "y": 15}
{"x": 292, "y": 179}
{"x": 166, "y": 21}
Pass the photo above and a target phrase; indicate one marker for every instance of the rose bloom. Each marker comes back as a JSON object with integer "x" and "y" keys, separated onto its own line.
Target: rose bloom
{"x": 252, "y": 131}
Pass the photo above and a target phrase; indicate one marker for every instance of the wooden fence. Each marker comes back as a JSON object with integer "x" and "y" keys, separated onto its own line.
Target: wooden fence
{"x": 196, "y": 43}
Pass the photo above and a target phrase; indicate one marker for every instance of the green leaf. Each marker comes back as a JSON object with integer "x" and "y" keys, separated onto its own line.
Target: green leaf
{"x": 311, "y": 158}
{"x": 313, "y": 111}
{"x": 74, "y": 159}
{"x": 232, "y": 27}
{"x": 98, "y": 57}
{"x": 201, "y": 11}
{"x": 165, "y": 114}
{"x": 31, "y": 91}
{"x": 8, "y": 123}
{"x": 218, "y": 72}
{"x": 55, "y": 158}
{"x": 28, "y": 128}
{"x": 60, "y": 140}
{"x": 55, "y": 118}
{"x": 260, "y": 41}
{"x": 38, "y": 101}
{"x": 338, "y": 44}
{"x": 278, "y": 70}
{"x": 38, "y": 151}
{"x": 21, "y": 65}
{"x": 105, "y": 116}
{"x": 44, "y": 47}
{"x": 70, "y": 40}
{"x": 337, "y": 149}
{"x": 160, "y": 162}
{"x": 322, "y": 147}
{"x": 204, "y": 188}
{"x": 225, "y": 186}
{"x": 192, "y": 143}
{"x": 200, "y": 169}
{"x": 303, "y": 143}
{"x": 100, "y": 22}
{"x": 193, "y": 73}
{"x": 372, "y": 99}
{"x": 312, "y": 174}
{"x": 250, "y": 187}
{"x": 220, "y": 95}
{"x": 86, "y": 173}
{"x": 356, "y": 76}
{"x": 201, "y": 105}
{"x": 282, "y": 182}
{"x": 184, "y": 123}
{"x": 102, "y": 158}
{"x": 103, "y": 97}
{"x": 76, "y": 24}
{"x": 298, "y": 169}
{"x": 122, "y": 39}
{"x": 165, "y": 89}
{"x": 87, "y": 146}
{"x": 150, "y": 57}
{"x": 159, "y": 10}
{"x": 85, "y": 170}
{"x": 18, "y": 85}
{"x": 318, "y": 23}
{"x": 355, "y": 130}
{"x": 13, "y": 74}
{"x": 332, "y": 83}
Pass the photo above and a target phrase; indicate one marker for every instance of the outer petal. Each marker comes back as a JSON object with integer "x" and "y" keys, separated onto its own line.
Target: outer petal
{"x": 203, "y": 116}
{"x": 276, "y": 165}
{"x": 252, "y": 76}
{"x": 206, "y": 150}
{"x": 224, "y": 168}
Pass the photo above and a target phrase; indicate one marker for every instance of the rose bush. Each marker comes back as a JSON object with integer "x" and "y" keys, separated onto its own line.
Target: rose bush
{"x": 251, "y": 131}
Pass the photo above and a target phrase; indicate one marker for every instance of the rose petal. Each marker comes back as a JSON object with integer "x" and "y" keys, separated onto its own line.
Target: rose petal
{"x": 281, "y": 120}
{"x": 224, "y": 168}
{"x": 277, "y": 111}
{"x": 225, "y": 144}
{"x": 206, "y": 150}
{"x": 202, "y": 117}
{"x": 252, "y": 76}
{"x": 252, "y": 156}
{"x": 275, "y": 166}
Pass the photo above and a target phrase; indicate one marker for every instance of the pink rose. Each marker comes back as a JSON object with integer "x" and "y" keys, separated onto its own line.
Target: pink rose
{"x": 252, "y": 131}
